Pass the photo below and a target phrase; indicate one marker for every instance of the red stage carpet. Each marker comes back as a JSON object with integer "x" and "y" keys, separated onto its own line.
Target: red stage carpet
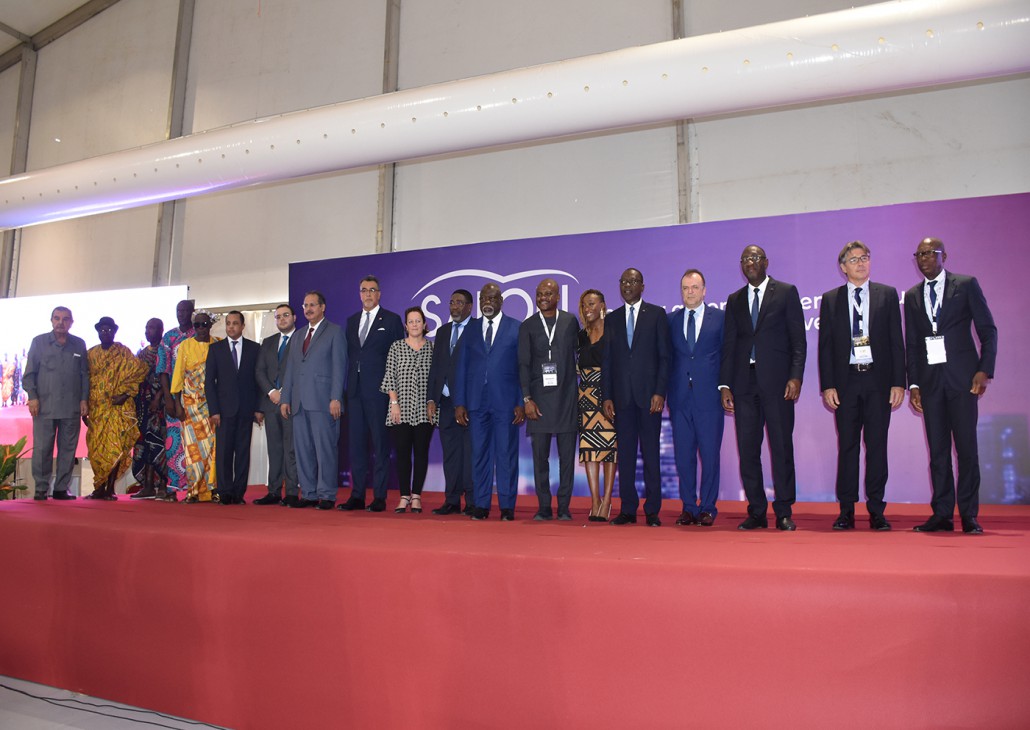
{"x": 264, "y": 617}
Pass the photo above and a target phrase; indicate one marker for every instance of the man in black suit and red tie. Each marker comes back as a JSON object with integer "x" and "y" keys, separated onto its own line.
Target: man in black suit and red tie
{"x": 763, "y": 362}
{"x": 862, "y": 379}
{"x": 634, "y": 377}
{"x": 946, "y": 377}
{"x": 232, "y": 397}
{"x": 370, "y": 333}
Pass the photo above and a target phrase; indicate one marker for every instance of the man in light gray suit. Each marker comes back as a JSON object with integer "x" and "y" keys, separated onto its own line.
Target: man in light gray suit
{"x": 271, "y": 372}
{"x": 312, "y": 394}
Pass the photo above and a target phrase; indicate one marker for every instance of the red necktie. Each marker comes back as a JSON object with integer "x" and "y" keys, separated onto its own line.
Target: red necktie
{"x": 307, "y": 341}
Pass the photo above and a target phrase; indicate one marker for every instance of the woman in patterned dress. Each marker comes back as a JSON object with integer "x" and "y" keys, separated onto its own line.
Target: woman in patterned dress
{"x": 405, "y": 381}
{"x": 596, "y": 432}
{"x": 191, "y": 406}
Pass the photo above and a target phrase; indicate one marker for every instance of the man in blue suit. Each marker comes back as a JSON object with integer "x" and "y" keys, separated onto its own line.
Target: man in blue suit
{"x": 370, "y": 333}
{"x": 695, "y": 406}
{"x": 487, "y": 395}
{"x": 312, "y": 395}
{"x": 634, "y": 377}
{"x": 232, "y": 398}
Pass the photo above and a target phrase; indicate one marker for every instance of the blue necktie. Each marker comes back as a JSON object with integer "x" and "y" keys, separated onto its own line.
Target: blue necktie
{"x": 856, "y": 327}
{"x": 933, "y": 296}
{"x": 282, "y": 348}
{"x": 489, "y": 334}
{"x": 754, "y": 319}
{"x": 691, "y": 333}
{"x": 235, "y": 356}
{"x": 629, "y": 327}
{"x": 455, "y": 333}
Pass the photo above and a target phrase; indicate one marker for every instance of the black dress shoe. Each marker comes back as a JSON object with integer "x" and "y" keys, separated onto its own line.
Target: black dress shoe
{"x": 325, "y": 504}
{"x": 290, "y": 500}
{"x": 624, "y": 519}
{"x": 478, "y": 513}
{"x": 845, "y": 522}
{"x": 302, "y": 503}
{"x": 40, "y": 496}
{"x": 538, "y": 517}
{"x": 686, "y": 518}
{"x": 469, "y": 510}
{"x": 753, "y": 523}
{"x": 706, "y": 519}
{"x": 447, "y": 509}
{"x": 63, "y": 495}
{"x": 507, "y": 515}
{"x": 352, "y": 504}
{"x": 377, "y": 505}
{"x": 936, "y": 524}
{"x": 879, "y": 523}
{"x": 564, "y": 515}
{"x": 653, "y": 521}
{"x": 268, "y": 499}
{"x": 785, "y": 523}
{"x": 971, "y": 527}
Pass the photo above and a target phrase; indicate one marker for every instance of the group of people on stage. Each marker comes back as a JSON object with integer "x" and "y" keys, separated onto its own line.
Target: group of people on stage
{"x": 180, "y": 411}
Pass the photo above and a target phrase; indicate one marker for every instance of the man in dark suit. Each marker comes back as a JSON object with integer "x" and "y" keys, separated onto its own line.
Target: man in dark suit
{"x": 312, "y": 396}
{"x": 271, "y": 371}
{"x": 946, "y": 377}
{"x": 634, "y": 377}
{"x": 547, "y": 373}
{"x": 695, "y": 408}
{"x": 370, "y": 333}
{"x": 862, "y": 378}
{"x": 763, "y": 362}
{"x": 455, "y": 441}
{"x": 231, "y": 387}
{"x": 487, "y": 395}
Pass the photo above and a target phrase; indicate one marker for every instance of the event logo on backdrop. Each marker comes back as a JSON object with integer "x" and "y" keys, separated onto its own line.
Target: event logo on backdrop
{"x": 802, "y": 249}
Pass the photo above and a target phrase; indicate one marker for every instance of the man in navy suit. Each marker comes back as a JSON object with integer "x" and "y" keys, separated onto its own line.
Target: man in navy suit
{"x": 862, "y": 378}
{"x": 695, "y": 407}
{"x": 763, "y": 362}
{"x": 312, "y": 396}
{"x": 488, "y": 399}
{"x": 634, "y": 377}
{"x": 370, "y": 333}
{"x": 232, "y": 397}
{"x": 271, "y": 371}
{"x": 946, "y": 377}
{"x": 455, "y": 441}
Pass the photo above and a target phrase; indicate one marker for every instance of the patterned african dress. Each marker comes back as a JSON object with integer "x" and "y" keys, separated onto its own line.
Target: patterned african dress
{"x": 198, "y": 437}
{"x": 150, "y": 447}
{"x": 596, "y": 432}
{"x": 112, "y": 429}
{"x": 175, "y": 455}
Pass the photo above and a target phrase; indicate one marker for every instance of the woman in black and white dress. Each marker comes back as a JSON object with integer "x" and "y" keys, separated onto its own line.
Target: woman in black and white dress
{"x": 405, "y": 381}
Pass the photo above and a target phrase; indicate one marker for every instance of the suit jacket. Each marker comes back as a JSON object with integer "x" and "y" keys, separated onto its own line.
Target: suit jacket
{"x": 230, "y": 391}
{"x": 778, "y": 339}
{"x": 315, "y": 378}
{"x": 963, "y": 303}
{"x": 557, "y": 404}
{"x": 370, "y": 359}
{"x": 272, "y": 370}
{"x": 835, "y": 323}
{"x": 489, "y": 379}
{"x": 633, "y": 376}
{"x": 443, "y": 368}
{"x": 700, "y": 367}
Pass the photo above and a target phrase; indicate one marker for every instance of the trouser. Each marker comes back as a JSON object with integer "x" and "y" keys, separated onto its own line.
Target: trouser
{"x": 44, "y": 433}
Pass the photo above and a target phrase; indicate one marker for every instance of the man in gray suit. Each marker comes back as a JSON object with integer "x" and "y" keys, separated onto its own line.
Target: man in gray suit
{"x": 271, "y": 371}
{"x": 312, "y": 394}
{"x": 57, "y": 382}
{"x": 547, "y": 373}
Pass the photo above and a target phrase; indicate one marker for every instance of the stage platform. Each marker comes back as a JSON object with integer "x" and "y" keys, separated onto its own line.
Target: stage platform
{"x": 268, "y": 617}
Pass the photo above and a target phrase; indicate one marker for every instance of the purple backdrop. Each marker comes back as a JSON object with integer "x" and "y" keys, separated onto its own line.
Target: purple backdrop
{"x": 985, "y": 237}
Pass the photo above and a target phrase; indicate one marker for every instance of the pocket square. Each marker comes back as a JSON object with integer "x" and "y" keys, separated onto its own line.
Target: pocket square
{"x": 381, "y": 329}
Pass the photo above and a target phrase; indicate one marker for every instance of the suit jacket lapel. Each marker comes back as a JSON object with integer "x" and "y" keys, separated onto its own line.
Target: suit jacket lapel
{"x": 770, "y": 292}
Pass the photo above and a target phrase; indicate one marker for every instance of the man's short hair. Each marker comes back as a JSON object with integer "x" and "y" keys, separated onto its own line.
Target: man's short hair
{"x": 688, "y": 272}
{"x": 236, "y": 311}
{"x": 372, "y": 278}
{"x": 286, "y": 306}
{"x": 315, "y": 293}
{"x": 465, "y": 293}
{"x": 61, "y": 309}
{"x": 848, "y": 248}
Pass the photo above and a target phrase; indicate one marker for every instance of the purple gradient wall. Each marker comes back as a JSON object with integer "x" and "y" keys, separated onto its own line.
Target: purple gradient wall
{"x": 985, "y": 237}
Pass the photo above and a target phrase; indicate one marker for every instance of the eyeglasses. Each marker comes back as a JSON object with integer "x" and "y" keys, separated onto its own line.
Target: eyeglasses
{"x": 202, "y": 325}
{"x": 927, "y": 254}
{"x": 630, "y": 282}
{"x": 283, "y": 316}
{"x": 369, "y": 290}
{"x": 752, "y": 259}
{"x": 858, "y": 259}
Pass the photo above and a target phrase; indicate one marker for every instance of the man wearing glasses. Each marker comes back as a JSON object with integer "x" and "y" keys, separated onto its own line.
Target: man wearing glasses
{"x": 763, "y": 362}
{"x": 862, "y": 379}
{"x": 370, "y": 333}
{"x": 946, "y": 378}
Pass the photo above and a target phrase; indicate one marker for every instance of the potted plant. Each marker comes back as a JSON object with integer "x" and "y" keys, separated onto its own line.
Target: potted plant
{"x": 9, "y": 455}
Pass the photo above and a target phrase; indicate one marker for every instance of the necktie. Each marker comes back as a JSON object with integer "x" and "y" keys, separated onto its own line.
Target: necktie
{"x": 307, "y": 341}
{"x": 364, "y": 329}
{"x": 754, "y": 319}
{"x": 691, "y": 333}
{"x": 856, "y": 327}
{"x": 235, "y": 356}
{"x": 489, "y": 333}
{"x": 455, "y": 333}
{"x": 282, "y": 346}
{"x": 933, "y": 295}
{"x": 629, "y": 327}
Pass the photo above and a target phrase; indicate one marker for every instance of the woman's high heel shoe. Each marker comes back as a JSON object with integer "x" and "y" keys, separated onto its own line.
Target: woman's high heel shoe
{"x": 416, "y": 503}
{"x": 402, "y": 507}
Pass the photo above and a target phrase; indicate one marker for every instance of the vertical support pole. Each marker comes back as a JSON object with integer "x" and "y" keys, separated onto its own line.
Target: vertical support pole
{"x": 10, "y": 253}
{"x": 387, "y": 189}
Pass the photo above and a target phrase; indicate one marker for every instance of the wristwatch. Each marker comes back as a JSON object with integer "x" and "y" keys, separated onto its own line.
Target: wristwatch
{"x": 527, "y": 399}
